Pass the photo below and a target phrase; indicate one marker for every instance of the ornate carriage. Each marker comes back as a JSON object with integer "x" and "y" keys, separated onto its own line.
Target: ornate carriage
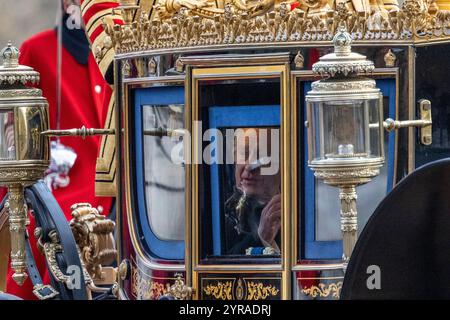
{"x": 245, "y": 64}
{"x": 188, "y": 74}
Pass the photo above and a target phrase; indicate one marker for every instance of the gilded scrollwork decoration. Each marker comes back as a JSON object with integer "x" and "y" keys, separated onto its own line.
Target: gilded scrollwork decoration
{"x": 250, "y": 289}
{"x": 322, "y": 290}
{"x": 179, "y": 66}
{"x": 152, "y": 67}
{"x": 126, "y": 69}
{"x": 93, "y": 234}
{"x": 389, "y": 59}
{"x": 259, "y": 291}
{"x": 220, "y": 290}
{"x": 190, "y": 23}
{"x": 239, "y": 290}
{"x": 146, "y": 288}
{"x": 299, "y": 60}
{"x": 179, "y": 290}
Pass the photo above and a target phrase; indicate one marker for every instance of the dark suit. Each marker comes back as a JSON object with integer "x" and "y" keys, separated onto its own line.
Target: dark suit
{"x": 242, "y": 225}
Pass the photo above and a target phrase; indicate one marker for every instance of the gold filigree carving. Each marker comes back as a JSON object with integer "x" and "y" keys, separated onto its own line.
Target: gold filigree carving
{"x": 17, "y": 210}
{"x": 190, "y": 23}
{"x": 179, "y": 66}
{"x": 220, "y": 290}
{"x": 152, "y": 67}
{"x": 389, "y": 59}
{"x": 209, "y": 8}
{"x": 257, "y": 291}
{"x": 146, "y": 288}
{"x": 179, "y": 290}
{"x": 299, "y": 61}
{"x": 322, "y": 290}
{"x": 20, "y": 175}
{"x": 93, "y": 234}
{"x": 126, "y": 69}
{"x": 240, "y": 290}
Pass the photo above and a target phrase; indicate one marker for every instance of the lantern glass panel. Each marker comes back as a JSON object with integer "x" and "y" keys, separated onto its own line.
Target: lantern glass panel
{"x": 7, "y": 142}
{"x": 346, "y": 130}
{"x": 376, "y": 134}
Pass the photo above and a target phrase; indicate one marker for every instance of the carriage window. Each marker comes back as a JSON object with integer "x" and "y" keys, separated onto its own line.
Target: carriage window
{"x": 159, "y": 177}
{"x": 241, "y": 185}
{"x": 164, "y": 178}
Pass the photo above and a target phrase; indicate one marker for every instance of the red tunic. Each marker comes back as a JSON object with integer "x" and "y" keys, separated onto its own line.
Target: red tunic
{"x": 81, "y": 105}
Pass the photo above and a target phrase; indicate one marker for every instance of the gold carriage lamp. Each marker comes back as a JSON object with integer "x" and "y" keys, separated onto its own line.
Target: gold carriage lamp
{"x": 24, "y": 153}
{"x": 345, "y": 128}
{"x": 24, "y": 145}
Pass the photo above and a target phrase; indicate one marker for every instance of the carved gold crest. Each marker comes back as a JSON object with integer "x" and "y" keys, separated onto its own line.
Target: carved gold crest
{"x": 190, "y": 23}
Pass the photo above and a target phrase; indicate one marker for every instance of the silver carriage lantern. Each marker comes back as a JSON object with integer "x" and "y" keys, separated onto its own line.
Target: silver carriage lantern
{"x": 24, "y": 151}
{"x": 345, "y": 128}
{"x": 24, "y": 145}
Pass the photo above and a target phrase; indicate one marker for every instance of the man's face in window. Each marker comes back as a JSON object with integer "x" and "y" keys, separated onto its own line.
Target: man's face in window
{"x": 249, "y": 161}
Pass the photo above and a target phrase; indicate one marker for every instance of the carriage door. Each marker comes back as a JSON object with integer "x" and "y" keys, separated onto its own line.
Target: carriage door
{"x": 432, "y": 82}
{"x": 236, "y": 246}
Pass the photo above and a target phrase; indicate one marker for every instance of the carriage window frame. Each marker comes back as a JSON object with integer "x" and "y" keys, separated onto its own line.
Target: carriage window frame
{"x": 240, "y": 119}
{"x": 168, "y": 250}
{"x": 304, "y": 198}
{"x": 279, "y": 71}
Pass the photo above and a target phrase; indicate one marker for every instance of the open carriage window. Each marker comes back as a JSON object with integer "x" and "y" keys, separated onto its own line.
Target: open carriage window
{"x": 241, "y": 182}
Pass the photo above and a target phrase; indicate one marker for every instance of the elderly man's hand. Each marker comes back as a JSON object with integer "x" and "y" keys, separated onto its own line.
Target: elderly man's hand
{"x": 270, "y": 221}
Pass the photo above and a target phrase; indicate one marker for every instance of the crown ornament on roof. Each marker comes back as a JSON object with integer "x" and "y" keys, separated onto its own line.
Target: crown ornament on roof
{"x": 205, "y": 23}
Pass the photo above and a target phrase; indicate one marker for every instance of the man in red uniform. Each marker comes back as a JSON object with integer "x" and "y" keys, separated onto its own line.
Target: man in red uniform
{"x": 83, "y": 92}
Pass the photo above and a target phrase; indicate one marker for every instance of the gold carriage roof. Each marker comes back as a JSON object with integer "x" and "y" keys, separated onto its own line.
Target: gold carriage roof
{"x": 204, "y": 24}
